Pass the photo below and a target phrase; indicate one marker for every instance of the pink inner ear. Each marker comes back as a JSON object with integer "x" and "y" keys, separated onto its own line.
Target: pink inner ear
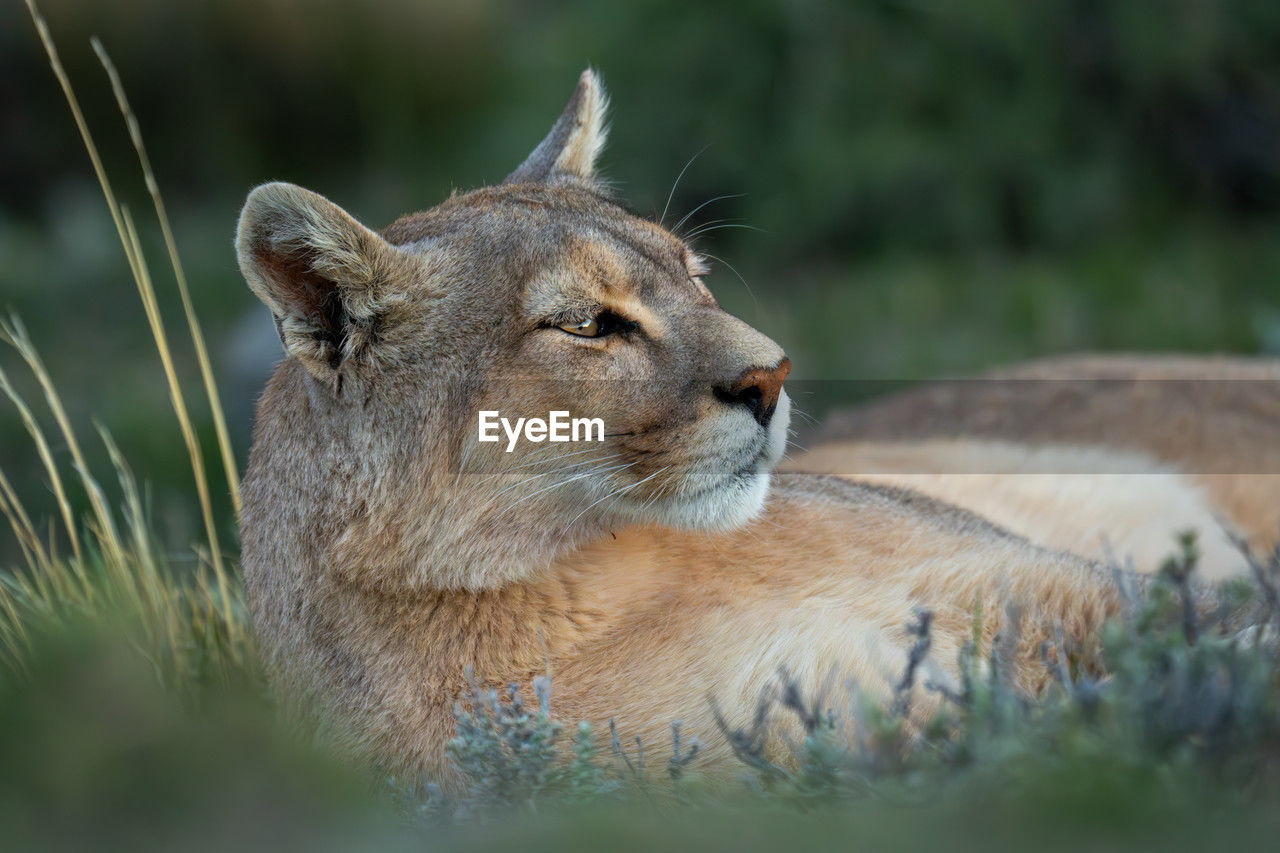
{"x": 302, "y": 291}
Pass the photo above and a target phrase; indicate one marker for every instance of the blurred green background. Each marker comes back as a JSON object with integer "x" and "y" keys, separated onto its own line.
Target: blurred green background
{"x": 938, "y": 186}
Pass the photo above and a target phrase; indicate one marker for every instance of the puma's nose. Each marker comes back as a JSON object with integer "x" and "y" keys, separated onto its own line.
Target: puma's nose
{"x": 757, "y": 389}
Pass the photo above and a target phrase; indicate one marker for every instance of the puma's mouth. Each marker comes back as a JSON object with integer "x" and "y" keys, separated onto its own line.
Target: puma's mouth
{"x": 720, "y": 493}
{"x": 729, "y": 498}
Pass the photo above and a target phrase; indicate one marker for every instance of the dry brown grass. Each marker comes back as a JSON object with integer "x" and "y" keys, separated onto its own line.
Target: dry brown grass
{"x": 107, "y": 565}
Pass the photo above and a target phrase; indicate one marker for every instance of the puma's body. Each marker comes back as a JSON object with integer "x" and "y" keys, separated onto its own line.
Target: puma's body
{"x": 1086, "y": 453}
{"x": 387, "y": 552}
{"x": 647, "y": 625}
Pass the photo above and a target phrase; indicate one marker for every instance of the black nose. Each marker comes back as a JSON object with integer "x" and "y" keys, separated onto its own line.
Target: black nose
{"x": 757, "y": 389}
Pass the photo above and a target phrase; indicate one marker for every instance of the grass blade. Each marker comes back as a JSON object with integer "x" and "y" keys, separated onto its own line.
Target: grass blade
{"x": 193, "y": 324}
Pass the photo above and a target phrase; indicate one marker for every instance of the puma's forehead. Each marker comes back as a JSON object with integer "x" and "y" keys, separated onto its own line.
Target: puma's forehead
{"x": 598, "y": 246}
{"x": 531, "y": 207}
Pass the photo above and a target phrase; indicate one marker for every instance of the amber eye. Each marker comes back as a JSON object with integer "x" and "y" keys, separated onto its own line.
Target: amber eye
{"x": 600, "y": 326}
{"x": 585, "y": 329}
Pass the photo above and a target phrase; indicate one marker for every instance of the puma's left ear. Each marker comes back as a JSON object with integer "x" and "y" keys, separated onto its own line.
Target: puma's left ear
{"x": 571, "y": 148}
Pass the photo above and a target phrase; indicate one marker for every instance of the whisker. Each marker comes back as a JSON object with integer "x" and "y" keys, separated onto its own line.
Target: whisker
{"x": 734, "y": 270}
{"x": 621, "y": 492}
{"x": 569, "y": 526}
{"x": 672, "y": 194}
{"x": 577, "y": 466}
{"x": 799, "y": 412}
{"x": 590, "y": 473}
{"x": 562, "y": 470}
{"x": 462, "y": 462}
{"x": 685, "y": 218}
{"x": 655, "y": 496}
{"x": 553, "y": 459}
{"x": 471, "y": 446}
{"x": 698, "y": 229}
{"x": 716, "y": 226}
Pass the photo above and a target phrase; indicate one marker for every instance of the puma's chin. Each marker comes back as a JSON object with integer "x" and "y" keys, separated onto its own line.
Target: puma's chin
{"x": 731, "y": 503}
{"x": 740, "y": 500}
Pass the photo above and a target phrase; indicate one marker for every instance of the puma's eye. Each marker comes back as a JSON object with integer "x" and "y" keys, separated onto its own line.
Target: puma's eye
{"x": 600, "y": 326}
{"x": 585, "y": 329}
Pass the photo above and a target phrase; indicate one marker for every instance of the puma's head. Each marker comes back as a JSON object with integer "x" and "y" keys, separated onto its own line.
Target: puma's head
{"x": 541, "y": 294}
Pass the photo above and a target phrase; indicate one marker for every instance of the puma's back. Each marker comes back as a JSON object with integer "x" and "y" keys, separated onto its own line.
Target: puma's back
{"x": 1158, "y": 428}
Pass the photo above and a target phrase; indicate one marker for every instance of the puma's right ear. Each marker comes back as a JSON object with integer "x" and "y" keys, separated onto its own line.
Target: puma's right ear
{"x": 326, "y": 278}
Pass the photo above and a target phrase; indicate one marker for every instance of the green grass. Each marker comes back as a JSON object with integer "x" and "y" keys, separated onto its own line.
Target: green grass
{"x": 133, "y": 715}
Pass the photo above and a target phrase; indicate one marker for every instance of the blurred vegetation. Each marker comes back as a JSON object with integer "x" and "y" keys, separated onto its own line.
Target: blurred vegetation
{"x": 97, "y": 754}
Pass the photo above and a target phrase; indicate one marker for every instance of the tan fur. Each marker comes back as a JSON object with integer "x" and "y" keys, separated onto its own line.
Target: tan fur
{"x": 1198, "y": 430}
{"x": 387, "y": 552}
{"x": 1107, "y": 505}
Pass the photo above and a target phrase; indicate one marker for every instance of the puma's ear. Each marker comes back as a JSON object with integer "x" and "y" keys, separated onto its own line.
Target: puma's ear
{"x": 326, "y": 278}
{"x": 576, "y": 139}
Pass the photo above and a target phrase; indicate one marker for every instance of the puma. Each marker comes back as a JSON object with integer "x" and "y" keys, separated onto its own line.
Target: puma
{"x": 388, "y": 553}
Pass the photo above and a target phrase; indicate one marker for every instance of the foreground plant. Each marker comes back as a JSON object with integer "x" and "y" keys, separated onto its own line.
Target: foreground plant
{"x": 188, "y": 623}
